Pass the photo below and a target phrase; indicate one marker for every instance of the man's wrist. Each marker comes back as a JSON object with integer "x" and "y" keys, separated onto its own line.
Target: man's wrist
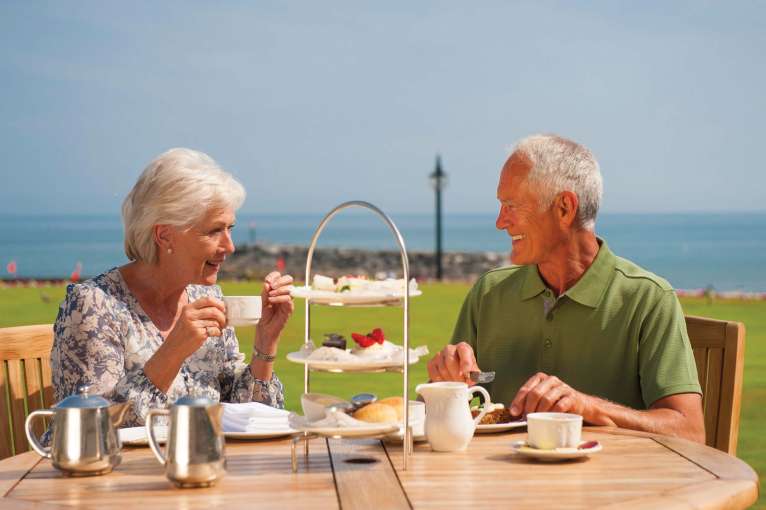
{"x": 595, "y": 411}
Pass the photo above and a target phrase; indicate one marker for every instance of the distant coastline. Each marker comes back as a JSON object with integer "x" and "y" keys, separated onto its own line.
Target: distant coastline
{"x": 251, "y": 263}
{"x": 722, "y": 251}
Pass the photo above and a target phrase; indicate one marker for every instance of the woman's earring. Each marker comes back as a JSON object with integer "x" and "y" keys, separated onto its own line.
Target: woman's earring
{"x": 170, "y": 251}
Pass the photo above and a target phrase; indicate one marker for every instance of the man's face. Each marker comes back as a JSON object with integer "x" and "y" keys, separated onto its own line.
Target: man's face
{"x": 533, "y": 232}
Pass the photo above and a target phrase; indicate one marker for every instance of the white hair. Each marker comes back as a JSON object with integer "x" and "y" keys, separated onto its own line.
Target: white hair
{"x": 560, "y": 165}
{"x": 178, "y": 188}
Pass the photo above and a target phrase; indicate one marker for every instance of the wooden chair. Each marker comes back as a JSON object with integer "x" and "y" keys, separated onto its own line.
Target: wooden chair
{"x": 25, "y": 382}
{"x": 719, "y": 351}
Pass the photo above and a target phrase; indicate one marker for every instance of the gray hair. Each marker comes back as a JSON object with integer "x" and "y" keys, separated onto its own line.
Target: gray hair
{"x": 560, "y": 165}
{"x": 178, "y": 188}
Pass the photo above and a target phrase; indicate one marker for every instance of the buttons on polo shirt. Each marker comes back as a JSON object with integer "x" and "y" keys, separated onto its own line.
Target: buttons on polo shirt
{"x": 549, "y": 317}
{"x": 548, "y": 343}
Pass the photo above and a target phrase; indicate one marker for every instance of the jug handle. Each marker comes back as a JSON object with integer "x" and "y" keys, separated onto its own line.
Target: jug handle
{"x": 33, "y": 442}
{"x": 485, "y": 407}
{"x": 155, "y": 446}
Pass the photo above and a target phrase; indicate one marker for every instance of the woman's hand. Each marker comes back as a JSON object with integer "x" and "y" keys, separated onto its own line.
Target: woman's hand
{"x": 278, "y": 306}
{"x": 199, "y": 320}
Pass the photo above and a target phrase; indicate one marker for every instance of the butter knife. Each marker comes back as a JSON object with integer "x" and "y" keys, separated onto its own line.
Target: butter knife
{"x": 482, "y": 377}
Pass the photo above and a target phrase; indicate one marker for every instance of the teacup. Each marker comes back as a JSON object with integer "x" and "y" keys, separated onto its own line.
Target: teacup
{"x": 418, "y": 418}
{"x": 242, "y": 310}
{"x": 547, "y": 431}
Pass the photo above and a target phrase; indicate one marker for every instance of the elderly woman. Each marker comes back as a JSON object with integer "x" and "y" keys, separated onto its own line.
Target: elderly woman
{"x": 155, "y": 329}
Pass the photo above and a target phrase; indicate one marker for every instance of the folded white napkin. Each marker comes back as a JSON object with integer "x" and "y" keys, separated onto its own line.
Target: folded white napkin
{"x": 253, "y": 417}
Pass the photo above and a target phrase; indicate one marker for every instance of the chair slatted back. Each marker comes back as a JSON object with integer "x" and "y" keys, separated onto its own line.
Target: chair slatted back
{"x": 25, "y": 383}
{"x": 719, "y": 352}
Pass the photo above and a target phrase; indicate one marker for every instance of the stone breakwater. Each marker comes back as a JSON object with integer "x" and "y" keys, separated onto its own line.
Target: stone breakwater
{"x": 254, "y": 262}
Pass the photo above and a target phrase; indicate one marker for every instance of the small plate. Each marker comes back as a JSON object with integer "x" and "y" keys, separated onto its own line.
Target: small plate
{"x": 357, "y": 366}
{"x": 136, "y": 436}
{"x": 326, "y": 297}
{"x": 369, "y": 430}
{"x": 491, "y": 428}
{"x": 261, "y": 434}
{"x": 557, "y": 454}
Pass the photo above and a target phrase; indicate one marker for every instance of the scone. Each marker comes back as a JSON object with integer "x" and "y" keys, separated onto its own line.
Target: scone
{"x": 376, "y": 413}
{"x": 397, "y": 403}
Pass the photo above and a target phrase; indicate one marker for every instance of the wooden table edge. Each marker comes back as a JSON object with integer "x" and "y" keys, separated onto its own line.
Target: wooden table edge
{"x": 737, "y": 483}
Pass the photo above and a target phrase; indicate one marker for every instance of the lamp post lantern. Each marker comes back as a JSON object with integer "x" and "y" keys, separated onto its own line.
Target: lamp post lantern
{"x": 438, "y": 182}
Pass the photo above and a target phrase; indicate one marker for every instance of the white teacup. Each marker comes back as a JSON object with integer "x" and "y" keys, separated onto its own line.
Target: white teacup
{"x": 242, "y": 310}
{"x": 418, "y": 418}
{"x": 547, "y": 431}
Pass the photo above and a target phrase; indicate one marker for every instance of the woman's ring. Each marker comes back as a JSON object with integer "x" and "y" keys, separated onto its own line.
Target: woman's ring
{"x": 207, "y": 329}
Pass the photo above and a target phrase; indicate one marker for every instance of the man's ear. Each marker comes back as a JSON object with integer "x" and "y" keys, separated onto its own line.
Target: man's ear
{"x": 163, "y": 237}
{"x": 566, "y": 208}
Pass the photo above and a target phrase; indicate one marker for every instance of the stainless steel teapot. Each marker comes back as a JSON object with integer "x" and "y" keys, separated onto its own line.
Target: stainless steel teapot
{"x": 84, "y": 438}
{"x": 195, "y": 446}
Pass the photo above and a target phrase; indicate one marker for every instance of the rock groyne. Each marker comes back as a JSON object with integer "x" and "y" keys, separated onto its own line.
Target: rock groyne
{"x": 254, "y": 262}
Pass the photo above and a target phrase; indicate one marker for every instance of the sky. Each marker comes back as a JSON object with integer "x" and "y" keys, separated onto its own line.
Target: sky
{"x": 310, "y": 104}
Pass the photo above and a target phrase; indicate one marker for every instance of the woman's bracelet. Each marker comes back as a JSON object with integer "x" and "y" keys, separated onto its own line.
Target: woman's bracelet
{"x": 269, "y": 358}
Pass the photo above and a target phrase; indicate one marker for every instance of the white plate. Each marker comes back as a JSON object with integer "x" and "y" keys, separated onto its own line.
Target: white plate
{"x": 350, "y": 298}
{"x": 499, "y": 427}
{"x": 369, "y": 430}
{"x": 136, "y": 436}
{"x": 521, "y": 448}
{"x": 359, "y": 366}
{"x": 261, "y": 434}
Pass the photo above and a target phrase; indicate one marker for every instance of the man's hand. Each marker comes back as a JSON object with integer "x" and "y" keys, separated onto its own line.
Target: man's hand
{"x": 543, "y": 392}
{"x": 453, "y": 363}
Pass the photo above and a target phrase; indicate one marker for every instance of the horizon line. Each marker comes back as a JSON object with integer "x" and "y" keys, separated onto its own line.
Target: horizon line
{"x": 410, "y": 213}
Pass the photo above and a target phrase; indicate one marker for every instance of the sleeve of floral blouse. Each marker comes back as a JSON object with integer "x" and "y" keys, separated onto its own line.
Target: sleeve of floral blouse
{"x": 238, "y": 383}
{"x": 88, "y": 350}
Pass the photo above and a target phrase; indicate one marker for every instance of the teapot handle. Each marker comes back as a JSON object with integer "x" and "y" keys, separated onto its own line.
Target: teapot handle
{"x": 33, "y": 442}
{"x": 485, "y": 407}
{"x": 150, "y": 433}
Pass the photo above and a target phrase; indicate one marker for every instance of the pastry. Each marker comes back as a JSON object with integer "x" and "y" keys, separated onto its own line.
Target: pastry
{"x": 376, "y": 413}
{"x": 397, "y": 403}
{"x": 335, "y": 340}
{"x": 498, "y": 414}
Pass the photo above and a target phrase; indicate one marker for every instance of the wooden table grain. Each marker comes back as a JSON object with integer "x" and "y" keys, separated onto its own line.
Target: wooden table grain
{"x": 634, "y": 470}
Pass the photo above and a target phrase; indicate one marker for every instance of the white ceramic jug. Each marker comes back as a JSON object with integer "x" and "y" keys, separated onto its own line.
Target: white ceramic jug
{"x": 449, "y": 425}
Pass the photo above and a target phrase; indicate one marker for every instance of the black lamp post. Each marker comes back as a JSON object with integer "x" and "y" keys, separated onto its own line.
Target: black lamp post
{"x": 438, "y": 182}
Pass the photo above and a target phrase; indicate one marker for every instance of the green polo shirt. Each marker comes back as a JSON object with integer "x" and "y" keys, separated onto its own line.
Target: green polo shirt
{"x": 618, "y": 333}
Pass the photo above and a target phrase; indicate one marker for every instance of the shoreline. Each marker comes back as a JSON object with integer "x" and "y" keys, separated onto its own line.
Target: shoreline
{"x": 253, "y": 262}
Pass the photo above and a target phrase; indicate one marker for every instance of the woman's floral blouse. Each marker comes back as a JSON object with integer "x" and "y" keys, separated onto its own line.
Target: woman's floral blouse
{"x": 103, "y": 338}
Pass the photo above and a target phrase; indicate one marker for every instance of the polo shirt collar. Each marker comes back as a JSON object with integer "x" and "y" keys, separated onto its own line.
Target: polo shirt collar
{"x": 591, "y": 287}
{"x": 533, "y": 284}
{"x": 588, "y": 290}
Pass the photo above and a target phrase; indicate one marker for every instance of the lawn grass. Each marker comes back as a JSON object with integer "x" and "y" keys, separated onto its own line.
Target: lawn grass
{"x": 432, "y": 318}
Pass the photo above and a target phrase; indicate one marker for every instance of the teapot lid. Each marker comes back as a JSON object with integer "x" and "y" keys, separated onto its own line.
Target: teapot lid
{"x": 191, "y": 400}
{"x": 82, "y": 399}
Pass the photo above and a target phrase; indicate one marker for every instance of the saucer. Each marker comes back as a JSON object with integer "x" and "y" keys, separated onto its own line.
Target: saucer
{"x": 557, "y": 454}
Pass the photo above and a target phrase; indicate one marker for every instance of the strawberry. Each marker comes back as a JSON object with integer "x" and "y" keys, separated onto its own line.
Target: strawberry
{"x": 377, "y": 335}
{"x": 374, "y": 337}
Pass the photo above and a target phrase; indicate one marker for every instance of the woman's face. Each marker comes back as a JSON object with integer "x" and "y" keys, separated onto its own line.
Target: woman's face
{"x": 199, "y": 251}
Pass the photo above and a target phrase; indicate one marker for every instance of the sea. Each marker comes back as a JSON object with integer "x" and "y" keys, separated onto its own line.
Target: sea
{"x": 718, "y": 251}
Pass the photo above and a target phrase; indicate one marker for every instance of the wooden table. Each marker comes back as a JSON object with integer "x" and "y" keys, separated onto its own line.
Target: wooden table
{"x": 634, "y": 470}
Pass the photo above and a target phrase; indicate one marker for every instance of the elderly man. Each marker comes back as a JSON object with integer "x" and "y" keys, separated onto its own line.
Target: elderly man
{"x": 571, "y": 327}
